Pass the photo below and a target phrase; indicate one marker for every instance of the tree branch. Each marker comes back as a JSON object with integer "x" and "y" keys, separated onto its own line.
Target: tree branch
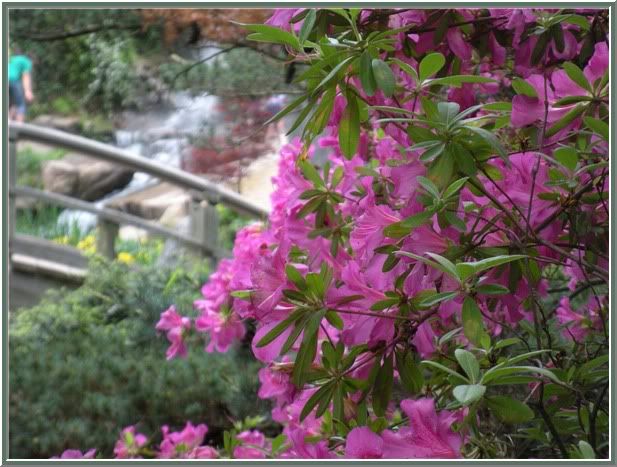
{"x": 80, "y": 32}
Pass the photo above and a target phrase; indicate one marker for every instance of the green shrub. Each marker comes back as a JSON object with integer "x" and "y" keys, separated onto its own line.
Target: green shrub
{"x": 86, "y": 363}
{"x": 30, "y": 163}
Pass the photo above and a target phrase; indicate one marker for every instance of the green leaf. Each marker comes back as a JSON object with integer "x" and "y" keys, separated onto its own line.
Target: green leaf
{"x": 522, "y": 87}
{"x": 586, "y": 450}
{"x": 458, "y": 80}
{"x": 473, "y": 323}
{"x": 464, "y": 159}
{"x": 431, "y": 64}
{"x": 433, "y": 152}
{"x": 294, "y": 276}
{"x": 566, "y": 120}
{"x": 302, "y": 115}
{"x": 349, "y": 127}
{"x": 286, "y": 110}
{"x": 580, "y": 21}
{"x": 598, "y": 126}
{"x": 267, "y": 33}
{"x": 445, "y": 262}
{"x": 447, "y": 111}
{"x": 445, "y": 369}
{"x": 242, "y": 294}
{"x": 469, "y": 393}
{"x": 566, "y": 156}
{"x": 404, "y": 227}
{"x": 334, "y": 319}
{"x": 419, "y": 134}
{"x": 492, "y": 289}
{"x": 383, "y": 77}
{"x": 311, "y": 174}
{"x": 490, "y": 138}
{"x": 539, "y": 48}
{"x": 307, "y": 26}
{"x": 455, "y": 221}
{"x": 454, "y": 187}
{"x": 430, "y": 262}
{"x": 509, "y": 410}
{"x": 382, "y": 390}
{"x": 410, "y": 374}
{"x": 496, "y": 373}
{"x": 324, "y": 392}
{"x": 437, "y": 298}
{"x": 430, "y": 108}
{"x": 557, "y": 34}
{"x": 406, "y": 68}
{"x": 334, "y": 72}
{"x": 308, "y": 350}
{"x": 577, "y": 76}
{"x": 428, "y": 186}
{"x": 468, "y": 363}
{"x": 278, "y": 442}
{"x": 569, "y": 100}
{"x": 367, "y": 79}
{"x": 499, "y": 106}
{"x": 466, "y": 269}
{"x": 279, "y": 329}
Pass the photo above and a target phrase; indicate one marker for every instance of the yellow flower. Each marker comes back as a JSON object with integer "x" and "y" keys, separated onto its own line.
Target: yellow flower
{"x": 87, "y": 244}
{"x": 64, "y": 240}
{"x": 125, "y": 257}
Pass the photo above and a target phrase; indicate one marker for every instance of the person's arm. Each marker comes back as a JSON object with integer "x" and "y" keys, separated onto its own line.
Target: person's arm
{"x": 26, "y": 80}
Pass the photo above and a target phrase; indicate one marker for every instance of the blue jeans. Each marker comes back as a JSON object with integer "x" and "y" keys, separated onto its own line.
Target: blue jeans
{"x": 17, "y": 99}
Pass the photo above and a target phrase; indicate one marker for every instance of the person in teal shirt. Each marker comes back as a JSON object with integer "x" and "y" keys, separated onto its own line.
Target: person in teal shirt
{"x": 20, "y": 85}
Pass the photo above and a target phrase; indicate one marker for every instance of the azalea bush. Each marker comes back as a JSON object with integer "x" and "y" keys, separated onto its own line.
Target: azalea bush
{"x": 438, "y": 287}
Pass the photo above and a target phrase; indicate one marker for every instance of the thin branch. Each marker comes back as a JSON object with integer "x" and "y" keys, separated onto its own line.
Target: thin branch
{"x": 57, "y": 36}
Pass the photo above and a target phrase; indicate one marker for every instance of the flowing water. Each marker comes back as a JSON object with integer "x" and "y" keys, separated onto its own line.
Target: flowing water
{"x": 162, "y": 134}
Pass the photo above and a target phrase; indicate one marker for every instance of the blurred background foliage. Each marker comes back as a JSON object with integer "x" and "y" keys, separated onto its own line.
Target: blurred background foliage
{"x": 110, "y": 60}
{"x": 85, "y": 363}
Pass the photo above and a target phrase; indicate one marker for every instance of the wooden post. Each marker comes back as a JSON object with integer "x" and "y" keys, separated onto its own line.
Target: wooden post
{"x": 205, "y": 225}
{"x": 13, "y": 136}
{"x": 106, "y": 238}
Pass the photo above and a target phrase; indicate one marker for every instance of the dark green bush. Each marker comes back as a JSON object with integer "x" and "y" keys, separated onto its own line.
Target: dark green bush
{"x": 85, "y": 364}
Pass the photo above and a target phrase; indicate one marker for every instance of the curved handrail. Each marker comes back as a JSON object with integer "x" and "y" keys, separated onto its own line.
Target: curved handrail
{"x": 210, "y": 191}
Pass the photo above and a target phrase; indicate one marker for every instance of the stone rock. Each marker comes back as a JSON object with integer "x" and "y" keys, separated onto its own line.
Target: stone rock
{"x": 174, "y": 214}
{"x": 153, "y": 201}
{"x": 84, "y": 178}
{"x": 59, "y": 122}
{"x": 129, "y": 232}
{"x": 60, "y": 176}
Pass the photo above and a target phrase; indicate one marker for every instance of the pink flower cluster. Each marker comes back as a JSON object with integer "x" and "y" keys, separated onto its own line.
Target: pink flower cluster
{"x": 371, "y": 203}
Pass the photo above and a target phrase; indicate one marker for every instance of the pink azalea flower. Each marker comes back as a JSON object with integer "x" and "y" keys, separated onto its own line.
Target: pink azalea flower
{"x": 362, "y": 443}
{"x": 185, "y": 444}
{"x": 429, "y": 435}
{"x": 127, "y": 447}
{"x": 252, "y": 447}
{"x": 301, "y": 449}
{"x": 75, "y": 454}
{"x": 275, "y": 384}
{"x": 175, "y": 325}
{"x": 458, "y": 45}
{"x": 223, "y": 328}
{"x": 281, "y": 18}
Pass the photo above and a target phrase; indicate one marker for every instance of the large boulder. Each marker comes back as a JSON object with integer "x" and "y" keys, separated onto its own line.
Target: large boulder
{"x": 152, "y": 202}
{"x": 69, "y": 124}
{"x": 60, "y": 176}
{"x": 84, "y": 178}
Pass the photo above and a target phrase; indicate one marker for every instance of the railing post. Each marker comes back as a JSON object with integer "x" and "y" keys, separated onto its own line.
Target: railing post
{"x": 12, "y": 218}
{"x": 204, "y": 224}
{"x": 106, "y": 238}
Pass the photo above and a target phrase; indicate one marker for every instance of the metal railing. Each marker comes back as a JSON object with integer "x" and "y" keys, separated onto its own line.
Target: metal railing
{"x": 204, "y": 194}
